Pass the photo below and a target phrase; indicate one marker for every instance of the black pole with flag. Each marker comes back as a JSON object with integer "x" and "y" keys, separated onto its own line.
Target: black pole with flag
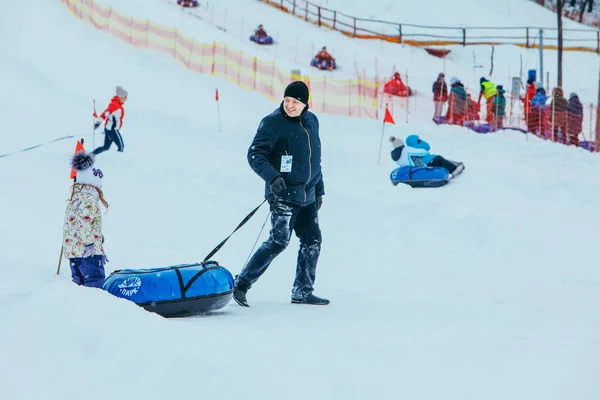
{"x": 388, "y": 118}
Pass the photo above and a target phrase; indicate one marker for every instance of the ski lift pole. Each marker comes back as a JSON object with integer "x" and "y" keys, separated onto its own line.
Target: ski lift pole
{"x": 407, "y": 98}
{"x": 591, "y": 116}
{"x": 93, "y": 129}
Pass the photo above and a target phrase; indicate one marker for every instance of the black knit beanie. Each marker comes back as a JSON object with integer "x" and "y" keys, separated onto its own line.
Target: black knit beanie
{"x": 298, "y": 90}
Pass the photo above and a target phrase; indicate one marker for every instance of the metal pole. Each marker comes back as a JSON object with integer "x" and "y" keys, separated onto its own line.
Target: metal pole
{"x": 59, "y": 260}
{"x": 94, "y": 130}
{"x": 381, "y": 142}
{"x": 596, "y": 130}
{"x": 542, "y": 56}
{"x": 552, "y": 127}
{"x": 407, "y": 98}
{"x": 474, "y": 63}
{"x": 591, "y": 116}
{"x": 559, "y": 12}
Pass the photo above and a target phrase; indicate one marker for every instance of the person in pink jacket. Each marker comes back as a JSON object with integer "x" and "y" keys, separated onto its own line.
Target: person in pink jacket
{"x": 82, "y": 231}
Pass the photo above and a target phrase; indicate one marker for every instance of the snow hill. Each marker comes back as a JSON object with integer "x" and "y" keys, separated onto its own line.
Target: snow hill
{"x": 464, "y": 13}
{"x": 484, "y": 289}
{"x": 297, "y": 41}
{"x": 573, "y": 11}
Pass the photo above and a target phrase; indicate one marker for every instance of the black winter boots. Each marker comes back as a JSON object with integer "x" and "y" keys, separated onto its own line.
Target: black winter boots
{"x": 239, "y": 296}
{"x": 310, "y": 299}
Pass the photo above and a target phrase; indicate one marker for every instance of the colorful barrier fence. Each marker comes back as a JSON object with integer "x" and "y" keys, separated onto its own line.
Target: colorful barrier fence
{"x": 357, "y": 98}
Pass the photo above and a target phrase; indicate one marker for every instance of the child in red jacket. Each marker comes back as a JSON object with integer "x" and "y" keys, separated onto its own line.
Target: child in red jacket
{"x": 112, "y": 118}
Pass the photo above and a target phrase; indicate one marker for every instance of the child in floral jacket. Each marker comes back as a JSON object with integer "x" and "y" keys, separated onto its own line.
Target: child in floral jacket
{"x": 82, "y": 232}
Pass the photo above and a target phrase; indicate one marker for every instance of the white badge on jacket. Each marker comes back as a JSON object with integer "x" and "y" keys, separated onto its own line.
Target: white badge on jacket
{"x": 286, "y": 164}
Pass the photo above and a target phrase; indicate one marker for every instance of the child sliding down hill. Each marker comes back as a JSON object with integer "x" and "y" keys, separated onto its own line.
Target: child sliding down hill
{"x": 415, "y": 153}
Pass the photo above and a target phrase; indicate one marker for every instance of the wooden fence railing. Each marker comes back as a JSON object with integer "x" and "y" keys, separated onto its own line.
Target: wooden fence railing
{"x": 422, "y": 35}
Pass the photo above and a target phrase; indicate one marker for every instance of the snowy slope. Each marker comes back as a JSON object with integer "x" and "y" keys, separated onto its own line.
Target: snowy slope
{"x": 464, "y": 13}
{"x": 298, "y": 41}
{"x": 484, "y": 289}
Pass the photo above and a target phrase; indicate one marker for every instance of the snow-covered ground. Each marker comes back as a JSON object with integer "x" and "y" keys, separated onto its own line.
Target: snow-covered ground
{"x": 298, "y": 41}
{"x": 589, "y": 17}
{"x": 464, "y": 13}
{"x": 485, "y": 289}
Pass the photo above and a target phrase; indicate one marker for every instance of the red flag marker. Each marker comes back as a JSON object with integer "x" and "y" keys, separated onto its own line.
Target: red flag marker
{"x": 388, "y": 117}
{"x": 78, "y": 147}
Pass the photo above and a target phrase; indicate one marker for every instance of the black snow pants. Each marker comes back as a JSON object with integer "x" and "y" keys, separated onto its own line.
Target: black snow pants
{"x": 285, "y": 218}
{"x": 439, "y": 161}
{"x": 109, "y": 138}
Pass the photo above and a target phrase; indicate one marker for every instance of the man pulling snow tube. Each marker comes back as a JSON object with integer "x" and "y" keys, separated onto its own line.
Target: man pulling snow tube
{"x": 175, "y": 291}
{"x": 419, "y": 168}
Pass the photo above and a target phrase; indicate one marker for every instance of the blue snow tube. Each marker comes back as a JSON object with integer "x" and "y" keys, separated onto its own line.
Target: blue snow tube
{"x": 188, "y": 3}
{"x": 439, "y": 120}
{"x": 478, "y": 127}
{"x": 588, "y": 145}
{"x": 265, "y": 40}
{"x": 175, "y": 291}
{"x": 420, "y": 176}
{"x": 315, "y": 63}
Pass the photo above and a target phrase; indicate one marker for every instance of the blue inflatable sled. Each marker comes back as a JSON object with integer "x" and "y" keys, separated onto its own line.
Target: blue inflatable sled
{"x": 479, "y": 127}
{"x": 188, "y": 3}
{"x": 175, "y": 291}
{"x": 265, "y": 40}
{"x": 422, "y": 177}
{"x": 315, "y": 63}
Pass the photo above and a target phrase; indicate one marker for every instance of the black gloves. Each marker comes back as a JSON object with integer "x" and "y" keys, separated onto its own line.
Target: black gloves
{"x": 319, "y": 202}
{"x": 96, "y": 125}
{"x": 277, "y": 185}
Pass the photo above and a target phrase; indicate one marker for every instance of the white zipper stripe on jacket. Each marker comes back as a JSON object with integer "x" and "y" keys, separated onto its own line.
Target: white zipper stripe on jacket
{"x": 309, "y": 159}
{"x": 113, "y": 120}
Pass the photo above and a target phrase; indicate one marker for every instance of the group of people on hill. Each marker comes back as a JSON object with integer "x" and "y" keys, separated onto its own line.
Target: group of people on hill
{"x": 461, "y": 106}
{"x": 83, "y": 241}
{"x": 322, "y": 60}
{"x": 293, "y": 182}
{"x": 495, "y": 102}
{"x": 561, "y": 120}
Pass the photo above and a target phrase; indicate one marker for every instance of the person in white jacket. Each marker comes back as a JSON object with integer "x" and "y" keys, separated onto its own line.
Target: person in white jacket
{"x": 415, "y": 153}
{"x": 112, "y": 118}
{"x": 82, "y": 231}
